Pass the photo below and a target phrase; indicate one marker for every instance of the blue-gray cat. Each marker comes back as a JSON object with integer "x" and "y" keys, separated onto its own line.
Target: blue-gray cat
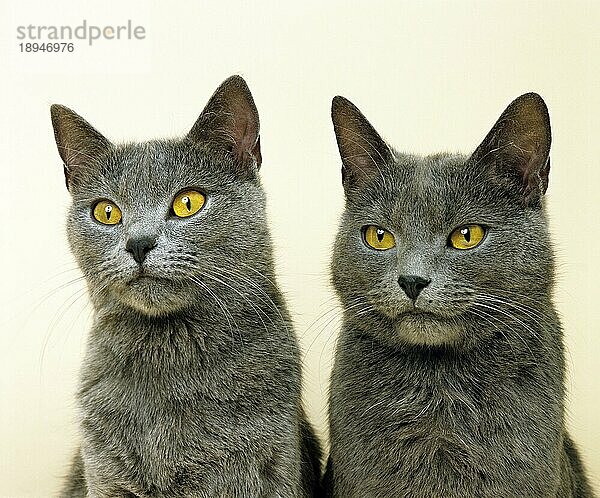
{"x": 449, "y": 371}
{"x": 190, "y": 384}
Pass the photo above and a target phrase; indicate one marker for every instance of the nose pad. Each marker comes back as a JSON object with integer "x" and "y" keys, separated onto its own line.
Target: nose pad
{"x": 139, "y": 247}
{"x": 412, "y": 285}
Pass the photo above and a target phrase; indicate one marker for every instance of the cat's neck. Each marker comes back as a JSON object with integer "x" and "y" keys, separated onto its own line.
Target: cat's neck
{"x": 515, "y": 341}
{"x": 512, "y": 368}
{"x": 208, "y": 327}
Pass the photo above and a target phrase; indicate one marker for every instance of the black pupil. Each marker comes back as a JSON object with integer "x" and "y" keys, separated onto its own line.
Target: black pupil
{"x": 380, "y": 234}
{"x": 188, "y": 203}
{"x": 466, "y": 234}
{"x": 108, "y": 211}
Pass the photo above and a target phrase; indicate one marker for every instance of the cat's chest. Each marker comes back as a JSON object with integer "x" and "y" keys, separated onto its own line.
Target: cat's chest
{"x": 166, "y": 401}
{"x": 403, "y": 426}
{"x": 176, "y": 412}
{"x": 428, "y": 422}
{"x": 164, "y": 437}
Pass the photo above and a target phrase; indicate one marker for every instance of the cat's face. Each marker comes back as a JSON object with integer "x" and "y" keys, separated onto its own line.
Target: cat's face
{"x": 431, "y": 249}
{"x": 178, "y": 256}
{"x": 159, "y": 226}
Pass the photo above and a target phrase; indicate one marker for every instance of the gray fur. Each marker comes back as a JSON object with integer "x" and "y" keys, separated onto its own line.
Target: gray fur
{"x": 460, "y": 394}
{"x": 191, "y": 380}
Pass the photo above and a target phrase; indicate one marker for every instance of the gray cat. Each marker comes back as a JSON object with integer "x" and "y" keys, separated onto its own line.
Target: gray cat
{"x": 190, "y": 384}
{"x": 449, "y": 370}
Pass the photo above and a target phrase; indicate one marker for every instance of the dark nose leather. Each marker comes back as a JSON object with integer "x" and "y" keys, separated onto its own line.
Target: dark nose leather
{"x": 412, "y": 285}
{"x": 139, "y": 247}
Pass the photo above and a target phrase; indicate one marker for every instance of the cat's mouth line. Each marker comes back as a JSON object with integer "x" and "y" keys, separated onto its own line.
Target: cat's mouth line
{"x": 414, "y": 311}
{"x": 421, "y": 313}
{"x": 139, "y": 274}
{"x": 142, "y": 275}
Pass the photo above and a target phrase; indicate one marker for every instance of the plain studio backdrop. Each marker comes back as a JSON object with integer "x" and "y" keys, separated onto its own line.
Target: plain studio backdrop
{"x": 431, "y": 76}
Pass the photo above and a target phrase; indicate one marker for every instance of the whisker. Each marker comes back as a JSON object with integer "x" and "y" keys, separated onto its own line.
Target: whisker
{"x": 221, "y": 306}
{"x": 254, "y": 308}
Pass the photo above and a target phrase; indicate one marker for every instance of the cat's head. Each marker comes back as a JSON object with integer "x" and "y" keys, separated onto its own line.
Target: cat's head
{"x": 431, "y": 249}
{"x": 159, "y": 226}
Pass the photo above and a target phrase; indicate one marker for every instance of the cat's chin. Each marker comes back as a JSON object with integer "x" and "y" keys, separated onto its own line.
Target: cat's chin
{"x": 428, "y": 329}
{"x": 152, "y": 296}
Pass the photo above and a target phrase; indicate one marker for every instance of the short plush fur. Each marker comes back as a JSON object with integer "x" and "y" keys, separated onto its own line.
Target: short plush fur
{"x": 191, "y": 380}
{"x": 459, "y": 391}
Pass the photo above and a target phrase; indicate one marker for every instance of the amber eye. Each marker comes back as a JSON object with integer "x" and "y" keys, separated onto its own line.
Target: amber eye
{"x": 467, "y": 237}
{"x": 107, "y": 212}
{"x": 187, "y": 203}
{"x": 378, "y": 238}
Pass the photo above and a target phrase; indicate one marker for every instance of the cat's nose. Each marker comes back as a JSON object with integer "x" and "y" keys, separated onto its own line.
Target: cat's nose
{"x": 139, "y": 247}
{"x": 412, "y": 285}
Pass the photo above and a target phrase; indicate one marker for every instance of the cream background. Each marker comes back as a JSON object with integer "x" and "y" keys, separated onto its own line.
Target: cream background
{"x": 431, "y": 76}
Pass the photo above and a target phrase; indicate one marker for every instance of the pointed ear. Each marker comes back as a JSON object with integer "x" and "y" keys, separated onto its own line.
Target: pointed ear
{"x": 517, "y": 148}
{"x": 362, "y": 150}
{"x": 78, "y": 142}
{"x": 230, "y": 121}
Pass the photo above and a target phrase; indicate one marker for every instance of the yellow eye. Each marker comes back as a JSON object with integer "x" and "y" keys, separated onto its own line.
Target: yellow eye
{"x": 107, "y": 213}
{"x": 467, "y": 237}
{"x": 187, "y": 203}
{"x": 378, "y": 238}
